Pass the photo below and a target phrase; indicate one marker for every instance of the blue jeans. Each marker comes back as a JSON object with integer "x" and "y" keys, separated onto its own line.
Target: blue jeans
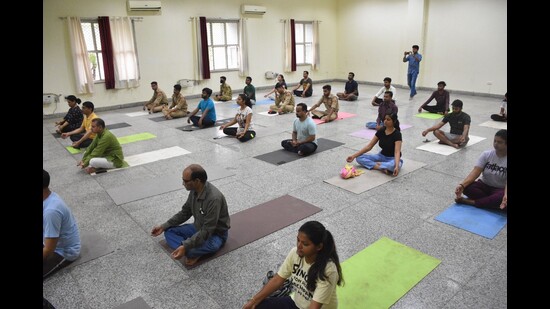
{"x": 371, "y": 125}
{"x": 411, "y": 81}
{"x": 370, "y": 160}
{"x": 176, "y": 234}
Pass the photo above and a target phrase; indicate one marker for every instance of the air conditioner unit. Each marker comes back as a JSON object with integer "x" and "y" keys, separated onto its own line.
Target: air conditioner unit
{"x": 144, "y": 5}
{"x": 253, "y": 9}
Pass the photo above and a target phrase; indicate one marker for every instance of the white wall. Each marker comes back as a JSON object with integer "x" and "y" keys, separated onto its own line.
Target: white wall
{"x": 463, "y": 42}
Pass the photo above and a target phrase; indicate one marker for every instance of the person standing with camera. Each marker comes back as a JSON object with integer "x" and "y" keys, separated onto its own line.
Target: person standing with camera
{"x": 413, "y": 58}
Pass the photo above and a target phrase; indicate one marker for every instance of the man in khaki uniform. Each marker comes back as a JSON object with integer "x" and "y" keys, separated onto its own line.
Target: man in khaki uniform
{"x": 284, "y": 102}
{"x": 331, "y": 105}
{"x": 158, "y": 101}
{"x": 225, "y": 91}
{"x": 178, "y": 108}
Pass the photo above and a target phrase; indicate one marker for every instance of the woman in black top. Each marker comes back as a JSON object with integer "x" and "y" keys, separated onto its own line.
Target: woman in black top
{"x": 388, "y": 160}
{"x": 74, "y": 117}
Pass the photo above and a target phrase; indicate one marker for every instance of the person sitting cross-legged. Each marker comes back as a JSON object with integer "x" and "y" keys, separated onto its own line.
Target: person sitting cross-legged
{"x": 304, "y": 131}
{"x": 105, "y": 151}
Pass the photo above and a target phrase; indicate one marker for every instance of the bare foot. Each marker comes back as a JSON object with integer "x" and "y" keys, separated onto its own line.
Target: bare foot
{"x": 90, "y": 170}
{"x": 191, "y": 261}
{"x": 377, "y": 166}
{"x": 441, "y": 142}
{"x": 463, "y": 200}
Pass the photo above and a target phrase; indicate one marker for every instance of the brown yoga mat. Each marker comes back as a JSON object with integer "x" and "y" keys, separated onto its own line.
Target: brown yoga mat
{"x": 259, "y": 221}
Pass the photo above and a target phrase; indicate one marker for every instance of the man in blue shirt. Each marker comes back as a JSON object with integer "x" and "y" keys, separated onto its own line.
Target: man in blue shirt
{"x": 413, "y": 58}
{"x": 59, "y": 231}
{"x": 206, "y": 106}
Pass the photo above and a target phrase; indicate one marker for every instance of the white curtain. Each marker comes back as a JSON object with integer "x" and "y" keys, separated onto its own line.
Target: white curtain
{"x": 288, "y": 46}
{"x": 197, "y": 49}
{"x": 124, "y": 53}
{"x": 81, "y": 63}
{"x": 243, "y": 48}
{"x": 315, "y": 43}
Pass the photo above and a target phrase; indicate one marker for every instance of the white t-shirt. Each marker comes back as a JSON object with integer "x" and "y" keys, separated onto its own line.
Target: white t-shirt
{"x": 325, "y": 292}
{"x": 504, "y": 105}
{"x": 380, "y": 93}
{"x": 241, "y": 119}
{"x": 495, "y": 169}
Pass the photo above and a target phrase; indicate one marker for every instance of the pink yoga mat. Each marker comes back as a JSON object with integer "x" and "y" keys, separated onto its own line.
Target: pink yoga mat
{"x": 341, "y": 115}
{"x": 369, "y": 133}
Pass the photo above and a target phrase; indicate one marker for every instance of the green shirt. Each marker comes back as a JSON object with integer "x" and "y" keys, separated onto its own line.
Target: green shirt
{"x": 250, "y": 91}
{"x": 105, "y": 145}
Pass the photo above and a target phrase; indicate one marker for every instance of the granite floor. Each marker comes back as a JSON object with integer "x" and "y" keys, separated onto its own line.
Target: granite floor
{"x": 472, "y": 274}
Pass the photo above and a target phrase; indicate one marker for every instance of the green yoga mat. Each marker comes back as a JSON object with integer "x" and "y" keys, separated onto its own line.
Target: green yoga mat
{"x": 122, "y": 140}
{"x": 428, "y": 115}
{"x": 379, "y": 275}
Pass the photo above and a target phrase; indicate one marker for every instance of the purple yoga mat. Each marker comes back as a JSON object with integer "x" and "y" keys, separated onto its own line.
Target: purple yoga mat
{"x": 259, "y": 221}
{"x": 369, "y": 133}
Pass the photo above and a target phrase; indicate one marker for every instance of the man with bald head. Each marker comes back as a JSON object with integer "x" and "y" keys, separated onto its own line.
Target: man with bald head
{"x": 209, "y": 231}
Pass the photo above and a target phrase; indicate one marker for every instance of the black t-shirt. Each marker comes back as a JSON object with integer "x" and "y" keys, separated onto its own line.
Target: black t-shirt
{"x": 387, "y": 142}
{"x": 457, "y": 121}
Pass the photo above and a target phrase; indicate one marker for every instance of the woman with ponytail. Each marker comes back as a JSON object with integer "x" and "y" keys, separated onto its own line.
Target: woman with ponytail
{"x": 314, "y": 268}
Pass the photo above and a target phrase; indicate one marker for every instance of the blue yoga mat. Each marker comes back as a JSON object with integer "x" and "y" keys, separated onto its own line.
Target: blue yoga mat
{"x": 483, "y": 222}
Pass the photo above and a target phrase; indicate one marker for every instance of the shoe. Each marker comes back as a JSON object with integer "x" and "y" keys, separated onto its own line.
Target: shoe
{"x": 272, "y": 112}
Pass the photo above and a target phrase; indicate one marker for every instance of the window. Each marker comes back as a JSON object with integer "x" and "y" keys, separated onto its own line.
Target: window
{"x": 304, "y": 39}
{"x": 223, "y": 45}
{"x": 93, "y": 43}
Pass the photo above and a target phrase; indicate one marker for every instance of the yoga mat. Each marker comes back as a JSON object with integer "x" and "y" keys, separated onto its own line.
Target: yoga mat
{"x": 483, "y": 222}
{"x": 446, "y": 150}
{"x": 266, "y": 114}
{"x": 495, "y": 124}
{"x": 151, "y": 156}
{"x": 371, "y": 178}
{"x": 218, "y": 123}
{"x": 117, "y": 125}
{"x": 428, "y": 115}
{"x": 257, "y": 222}
{"x": 136, "y": 303}
{"x": 369, "y": 133}
{"x": 92, "y": 246}
{"x": 341, "y": 115}
{"x": 122, "y": 140}
{"x": 379, "y": 275}
{"x": 136, "y": 114}
{"x": 158, "y": 185}
{"x": 109, "y": 126}
{"x": 282, "y": 156}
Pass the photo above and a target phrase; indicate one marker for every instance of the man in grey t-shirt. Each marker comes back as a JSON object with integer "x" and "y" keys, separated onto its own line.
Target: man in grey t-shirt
{"x": 304, "y": 131}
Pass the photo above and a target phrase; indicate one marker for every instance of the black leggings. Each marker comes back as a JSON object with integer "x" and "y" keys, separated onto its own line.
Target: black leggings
{"x": 250, "y": 134}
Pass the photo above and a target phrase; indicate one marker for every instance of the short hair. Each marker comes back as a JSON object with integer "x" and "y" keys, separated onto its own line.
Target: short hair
{"x": 223, "y": 77}
{"x": 197, "y": 172}
{"x": 89, "y": 105}
{"x": 154, "y": 83}
{"x": 177, "y": 87}
{"x": 387, "y": 79}
{"x": 416, "y": 46}
{"x": 328, "y": 87}
{"x": 442, "y": 83}
{"x": 303, "y": 106}
{"x": 207, "y": 90}
{"x": 45, "y": 179}
{"x": 352, "y": 74}
{"x": 389, "y": 92}
{"x": 503, "y": 133}
{"x": 279, "y": 85}
{"x": 100, "y": 122}
{"x": 306, "y": 72}
{"x": 457, "y": 103}
{"x": 248, "y": 77}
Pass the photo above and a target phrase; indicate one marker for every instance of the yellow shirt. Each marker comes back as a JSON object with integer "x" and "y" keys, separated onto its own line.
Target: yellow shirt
{"x": 87, "y": 123}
